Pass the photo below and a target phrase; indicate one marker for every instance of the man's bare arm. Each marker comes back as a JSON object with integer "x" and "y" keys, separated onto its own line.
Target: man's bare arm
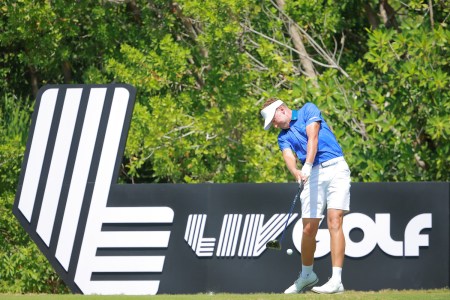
{"x": 291, "y": 162}
{"x": 312, "y": 131}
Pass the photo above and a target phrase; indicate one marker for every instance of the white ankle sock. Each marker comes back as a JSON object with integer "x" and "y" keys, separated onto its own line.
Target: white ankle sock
{"x": 337, "y": 274}
{"x": 306, "y": 270}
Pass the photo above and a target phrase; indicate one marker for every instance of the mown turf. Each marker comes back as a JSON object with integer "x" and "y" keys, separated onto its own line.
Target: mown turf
{"x": 438, "y": 294}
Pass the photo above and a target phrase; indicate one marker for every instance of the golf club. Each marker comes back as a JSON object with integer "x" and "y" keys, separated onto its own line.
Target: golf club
{"x": 276, "y": 244}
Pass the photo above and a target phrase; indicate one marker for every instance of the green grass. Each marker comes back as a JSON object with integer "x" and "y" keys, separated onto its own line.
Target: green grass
{"x": 438, "y": 294}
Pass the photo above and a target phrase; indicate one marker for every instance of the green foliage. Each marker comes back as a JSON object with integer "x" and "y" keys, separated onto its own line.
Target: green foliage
{"x": 15, "y": 116}
{"x": 412, "y": 99}
{"x": 11, "y": 155}
{"x": 322, "y": 16}
{"x": 201, "y": 75}
{"x": 24, "y": 268}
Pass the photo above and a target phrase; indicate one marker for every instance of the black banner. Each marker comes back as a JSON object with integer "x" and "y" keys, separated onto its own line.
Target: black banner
{"x": 414, "y": 254}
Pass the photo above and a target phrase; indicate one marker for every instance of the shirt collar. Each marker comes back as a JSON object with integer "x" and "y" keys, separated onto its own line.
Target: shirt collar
{"x": 294, "y": 115}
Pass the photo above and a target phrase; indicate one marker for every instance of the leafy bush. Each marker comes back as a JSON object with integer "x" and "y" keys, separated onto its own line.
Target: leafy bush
{"x": 24, "y": 268}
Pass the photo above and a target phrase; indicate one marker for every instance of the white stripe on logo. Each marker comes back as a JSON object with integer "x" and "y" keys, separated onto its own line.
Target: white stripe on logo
{"x": 37, "y": 152}
{"x": 246, "y": 235}
{"x": 256, "y": 234}
{"x": 193, "y": 235}
{"x": 58, "y": 164}
{"x": 80, "y": 175}
{"x": 229, "y": 235}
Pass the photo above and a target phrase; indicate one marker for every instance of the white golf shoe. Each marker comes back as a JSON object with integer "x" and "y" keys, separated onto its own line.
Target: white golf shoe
{"x": 302, "y": 284}
{"x": 331, "y": 287}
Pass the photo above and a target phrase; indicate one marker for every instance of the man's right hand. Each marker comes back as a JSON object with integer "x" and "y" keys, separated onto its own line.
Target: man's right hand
{"x": 305, "y": 172}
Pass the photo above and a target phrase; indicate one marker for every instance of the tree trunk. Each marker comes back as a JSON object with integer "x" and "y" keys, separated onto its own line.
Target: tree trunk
{"x": 34, "y": 81}
{"x": 132, "y": 6}
{"x": 430, "y": 6}
{"x": 192, "y": 33}
{"x": 388, "y": 15}
{"x": 305, "y": 60}
{"x": 371, "y": 16}
{"x": 67, "y": 71}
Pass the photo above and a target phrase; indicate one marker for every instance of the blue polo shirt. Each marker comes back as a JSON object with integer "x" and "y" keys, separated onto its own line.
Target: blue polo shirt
{"x": 295, "y": 137}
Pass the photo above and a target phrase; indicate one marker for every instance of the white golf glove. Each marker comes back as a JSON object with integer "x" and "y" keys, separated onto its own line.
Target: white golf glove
{"x": 306, "y": 170}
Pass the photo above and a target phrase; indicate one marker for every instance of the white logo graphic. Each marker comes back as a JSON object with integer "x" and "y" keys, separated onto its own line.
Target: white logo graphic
{"x": 375, "y": 233}
{"x": 194, "y": 236}
{"x": 255, "y": 234}
{"x": 84, "y": 125}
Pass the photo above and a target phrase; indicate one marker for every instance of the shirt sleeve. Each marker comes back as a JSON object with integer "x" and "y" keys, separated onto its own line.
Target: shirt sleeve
{"x": 312, "y": 114}
{"x": 282, "y": 142}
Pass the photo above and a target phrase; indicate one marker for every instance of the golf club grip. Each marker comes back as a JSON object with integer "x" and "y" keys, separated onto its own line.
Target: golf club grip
{"x": 296, "y": 198}
{"x": 301, "y": 185}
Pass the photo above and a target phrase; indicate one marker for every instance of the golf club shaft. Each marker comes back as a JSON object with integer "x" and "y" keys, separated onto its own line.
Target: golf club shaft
{"x": 297, "y": 196}
{"x": 275, "y": 244}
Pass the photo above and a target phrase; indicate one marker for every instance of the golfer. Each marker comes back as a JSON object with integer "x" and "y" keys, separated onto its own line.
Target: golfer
{"x": 326, "y": 176}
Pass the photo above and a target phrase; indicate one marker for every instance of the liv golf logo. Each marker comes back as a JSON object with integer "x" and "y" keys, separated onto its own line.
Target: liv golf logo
{"x": 74, "y": 149}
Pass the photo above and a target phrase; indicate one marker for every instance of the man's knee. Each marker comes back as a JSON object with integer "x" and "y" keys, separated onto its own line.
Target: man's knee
{"x": 335, "y": 222}
{"x": 310, "y": 229}
{"x": 334, "y": 226}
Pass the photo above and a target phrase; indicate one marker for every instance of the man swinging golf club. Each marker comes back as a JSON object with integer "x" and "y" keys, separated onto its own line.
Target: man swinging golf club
{"x": 326, "y": 179}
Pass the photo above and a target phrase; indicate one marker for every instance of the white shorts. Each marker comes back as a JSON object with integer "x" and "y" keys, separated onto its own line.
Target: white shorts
{"x": 328, "y": 186}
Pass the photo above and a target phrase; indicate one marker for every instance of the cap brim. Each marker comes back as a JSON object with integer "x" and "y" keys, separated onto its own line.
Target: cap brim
{"x": 269, "y": 112}
{"x": 268, "y": 122}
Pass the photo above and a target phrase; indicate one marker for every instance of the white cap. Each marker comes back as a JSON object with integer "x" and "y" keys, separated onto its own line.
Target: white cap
{"x": 268, "y": 112}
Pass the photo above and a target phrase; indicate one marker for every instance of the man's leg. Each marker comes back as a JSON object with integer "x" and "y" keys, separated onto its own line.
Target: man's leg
{"x": 312, "y": 209}
{"x": 310, "y": 227}
{"x": 338, "y": 203}
{"x": 335, "y": 219}
{"x": 307, "y": 278}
